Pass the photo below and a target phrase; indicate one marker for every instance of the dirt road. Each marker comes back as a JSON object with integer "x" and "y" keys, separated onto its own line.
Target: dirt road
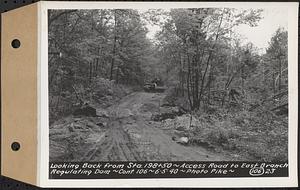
{"x": 132, "y": 136}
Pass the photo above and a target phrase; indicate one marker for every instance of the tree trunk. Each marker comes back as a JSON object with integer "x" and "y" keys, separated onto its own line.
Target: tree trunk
{"x": 90, "y": 72}
{"x": 181, "y": 75}
{"x": 274, "y": 83}
{"x": 117, "y": 75}
{"x": 210, "y": 54}
{"x": 97, "y": 67}
{"x": 188, "y": 83}
{"x": 280, "y": 74}
{"x": 114, "y": 47}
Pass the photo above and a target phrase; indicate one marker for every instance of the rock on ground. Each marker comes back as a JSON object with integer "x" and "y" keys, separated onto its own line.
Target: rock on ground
{"x": 70, "y": 137}
{"x": 102, "y": 113}
{"x": 181, "y": 123}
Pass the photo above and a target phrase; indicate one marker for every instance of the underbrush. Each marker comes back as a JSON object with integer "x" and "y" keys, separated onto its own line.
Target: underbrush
{"x": 174, "y": 99}
{"x": 253, "y": 136}
{"x": 71, "y": 137}
{"x": 258, "y": 135}
{"x": 100, "y": 93}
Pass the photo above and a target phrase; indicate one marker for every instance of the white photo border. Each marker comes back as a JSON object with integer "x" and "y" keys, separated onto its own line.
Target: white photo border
{"x": 43, "y": 111}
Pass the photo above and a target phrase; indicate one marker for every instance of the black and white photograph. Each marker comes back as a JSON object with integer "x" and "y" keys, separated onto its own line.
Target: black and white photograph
{"x": 161, "y": 91}
{"x": 115, "y": 94}
{"x": 199, "y": 84}
{"x": 169, "y": 84}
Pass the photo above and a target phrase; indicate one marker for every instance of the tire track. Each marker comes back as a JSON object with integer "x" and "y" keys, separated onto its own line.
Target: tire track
{"x": 116, "y": 146}
{"x": 130, "y": 137}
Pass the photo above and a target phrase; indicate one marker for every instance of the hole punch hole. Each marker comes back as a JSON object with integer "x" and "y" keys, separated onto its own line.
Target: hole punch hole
{"x": 15, "y": 146}
{"x": 16, "y": 43}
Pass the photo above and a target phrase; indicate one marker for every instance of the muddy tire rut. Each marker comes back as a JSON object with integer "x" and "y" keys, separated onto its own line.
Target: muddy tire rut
{"x": 130, "y": 137}
{"x": 116, "y": 145}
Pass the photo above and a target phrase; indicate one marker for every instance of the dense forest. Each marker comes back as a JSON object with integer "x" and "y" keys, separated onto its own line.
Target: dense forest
{"x": 234, "y": 96}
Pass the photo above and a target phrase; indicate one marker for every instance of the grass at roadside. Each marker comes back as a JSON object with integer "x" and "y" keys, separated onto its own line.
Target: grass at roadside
{"x": 254, "y": 136}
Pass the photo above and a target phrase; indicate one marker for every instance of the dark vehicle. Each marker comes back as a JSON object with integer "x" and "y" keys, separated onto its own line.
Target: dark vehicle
{"x": 156, "y": 85}
{"x": 157, "y": 81}
{"x": 148, "y": 87}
